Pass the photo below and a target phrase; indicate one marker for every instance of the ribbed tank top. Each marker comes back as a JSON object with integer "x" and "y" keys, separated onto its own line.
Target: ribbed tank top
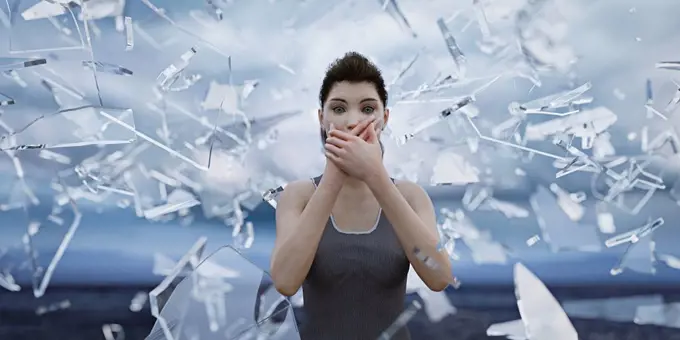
{"x": 356, "y": 285}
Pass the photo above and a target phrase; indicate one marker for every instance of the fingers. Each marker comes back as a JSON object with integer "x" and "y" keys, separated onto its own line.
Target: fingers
{"x": 331, "y": 156}
{"x": 364, "y": 135}
{"x": 335, "y": 147}
{"x": 336, "y": 141}
{"x": 359, "y": 128}
{"x": 371, "y": 134}
{"x": 342, "y": 135}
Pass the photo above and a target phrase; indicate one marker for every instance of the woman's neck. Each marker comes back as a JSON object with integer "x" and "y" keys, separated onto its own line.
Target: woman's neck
{"x": 354, "y": 189}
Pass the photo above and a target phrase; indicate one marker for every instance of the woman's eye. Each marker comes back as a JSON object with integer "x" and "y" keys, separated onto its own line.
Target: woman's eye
{"x": 369, "y": 109}
{"x": 338, "y": 109}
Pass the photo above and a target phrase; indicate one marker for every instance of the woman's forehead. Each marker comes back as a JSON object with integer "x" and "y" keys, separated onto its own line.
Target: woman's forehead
{"x": 353, "y": 92}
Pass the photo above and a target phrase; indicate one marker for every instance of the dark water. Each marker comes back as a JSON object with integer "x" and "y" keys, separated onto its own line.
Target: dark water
{"x": 478, "y": 308}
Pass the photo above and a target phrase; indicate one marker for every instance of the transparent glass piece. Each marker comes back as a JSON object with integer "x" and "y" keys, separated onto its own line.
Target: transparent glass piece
{"x": 226, "y": 297}
{"x": 9, "y": 64}
{"x": 542, "y": 315}
{"x": 558, "y": 230}
{"x": 638, "y": 257}
{"x": 511, "y": 330}
{"x": 436, "y": 304}
{"x": 582, "y": 124}
{"x": 401, "y": 321}
{"x": 160, "y": 295}
{"x": 103, "y": 67}
{"x": 7, "y": 282}
{"x": 113, "y": 331}
{"x": 138, "y": 301}
{"x": 451, "y": 45}
{"x": 452, "y": 168}
{"x": 86, "y": 125}
{"x": 52, "y": 27}
{"x": 45, "y": 262}
{"x": 129, "y": 34}
{"x": 243, "y": 235}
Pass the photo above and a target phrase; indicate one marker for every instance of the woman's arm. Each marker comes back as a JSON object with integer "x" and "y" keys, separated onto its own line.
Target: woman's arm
{"x": 300, "y": 221}
{"x": 413, "y": 219}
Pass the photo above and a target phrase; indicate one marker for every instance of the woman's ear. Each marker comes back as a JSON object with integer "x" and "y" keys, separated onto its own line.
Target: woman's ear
{"x": 386, "y": 117}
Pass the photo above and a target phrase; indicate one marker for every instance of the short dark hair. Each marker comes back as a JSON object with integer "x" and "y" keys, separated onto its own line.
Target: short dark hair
{"x": 353, "y": 67}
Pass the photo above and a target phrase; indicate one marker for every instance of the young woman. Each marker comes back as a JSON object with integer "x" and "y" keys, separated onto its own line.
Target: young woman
{"x": 347, "y": 237}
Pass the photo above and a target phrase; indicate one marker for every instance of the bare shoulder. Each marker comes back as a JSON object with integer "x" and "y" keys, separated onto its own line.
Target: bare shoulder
{"x": 411, "y": 191}
{"x": 300, "y": 190}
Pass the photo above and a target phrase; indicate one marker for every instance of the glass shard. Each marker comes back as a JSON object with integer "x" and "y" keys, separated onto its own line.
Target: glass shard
{"x": 542, "y": 315}
{"x": 161, "y": 294}
{"x": 56, "y": 26}
{"x": 86, "y": 125}
{"x": 226, "y": 297}
{"x": 560, "y": 231}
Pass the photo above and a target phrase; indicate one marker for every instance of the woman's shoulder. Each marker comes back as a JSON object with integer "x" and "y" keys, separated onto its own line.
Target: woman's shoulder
{"x": 410, "y": 190}
{"x": 406, "y": 186}
{"x": 301, "y": 188}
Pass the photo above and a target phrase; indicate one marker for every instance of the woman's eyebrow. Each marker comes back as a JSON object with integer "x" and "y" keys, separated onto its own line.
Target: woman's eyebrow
{"x": 362, "y": 101}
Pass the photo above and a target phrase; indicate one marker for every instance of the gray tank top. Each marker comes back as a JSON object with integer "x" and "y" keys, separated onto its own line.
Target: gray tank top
{"x": 356, "y": 285}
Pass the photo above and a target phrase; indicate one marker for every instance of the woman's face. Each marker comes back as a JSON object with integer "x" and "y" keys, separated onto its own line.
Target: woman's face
{"x": 350, "y": 103}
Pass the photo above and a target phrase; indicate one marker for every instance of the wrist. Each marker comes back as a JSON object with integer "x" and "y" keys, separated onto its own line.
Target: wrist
{"x": 378, "y": 178}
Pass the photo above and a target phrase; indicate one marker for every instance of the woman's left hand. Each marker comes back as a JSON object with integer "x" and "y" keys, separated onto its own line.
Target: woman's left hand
{"x": 358, "y": 156}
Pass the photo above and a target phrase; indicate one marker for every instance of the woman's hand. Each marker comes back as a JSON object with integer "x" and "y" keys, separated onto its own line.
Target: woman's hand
{"x": 332, "y": 170}
{"x": 358, "y": 156}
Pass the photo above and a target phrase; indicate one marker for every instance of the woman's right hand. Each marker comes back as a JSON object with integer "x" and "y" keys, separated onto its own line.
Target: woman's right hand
{"x": 332, "y": 171}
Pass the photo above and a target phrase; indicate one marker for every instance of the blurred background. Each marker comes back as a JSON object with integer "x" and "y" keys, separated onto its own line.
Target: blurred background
{"x": 139, "y": 136}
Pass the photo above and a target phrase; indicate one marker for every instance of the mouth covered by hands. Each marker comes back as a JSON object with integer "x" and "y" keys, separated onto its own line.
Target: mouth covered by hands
{"x": 356, "y": 152}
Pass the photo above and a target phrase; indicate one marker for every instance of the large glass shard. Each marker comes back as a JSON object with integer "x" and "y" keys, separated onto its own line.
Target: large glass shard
{"x": 52, "y": 25}
{"x": 226, "y": 297}
{"x": 513, "y": 330}
{"x": 160, "y": 295}
{"x": 638, "y": 257}
{"x": 558, "y": 229}
{"x": 37, "y": 239}
{"x": 80, "y": 126}
{"x": 542, "y": 315}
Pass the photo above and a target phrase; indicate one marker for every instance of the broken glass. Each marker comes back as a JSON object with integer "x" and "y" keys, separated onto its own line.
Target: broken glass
{"x": 436, "y": 304}
{"x": 226, "y": 297}
{"x": 401, "y": 320}
{"x": 44, "y": 262}
{"x": 558, "y": 229}
{"x": 638, "y": 257}
{"x": 129, "y": 34}
{"x": 161, "y": 294}
{"x": 80, "y": 126}
{"x": 482, "y": 246}
{"x": 452, "y": 168}
{"x": 542, "y": 315}
{"x": 59, "y": 27}
{"x": 113, "y": 332}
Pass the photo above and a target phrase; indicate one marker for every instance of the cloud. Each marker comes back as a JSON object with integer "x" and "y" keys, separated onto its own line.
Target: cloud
{"x": 264, "y": 38}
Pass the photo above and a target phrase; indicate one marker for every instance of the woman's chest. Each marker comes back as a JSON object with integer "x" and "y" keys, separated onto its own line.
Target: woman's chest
{"x": 375, "y": 258}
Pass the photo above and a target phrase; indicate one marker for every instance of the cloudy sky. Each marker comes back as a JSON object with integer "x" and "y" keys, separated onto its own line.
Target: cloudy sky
{"x": 285, "y": 45}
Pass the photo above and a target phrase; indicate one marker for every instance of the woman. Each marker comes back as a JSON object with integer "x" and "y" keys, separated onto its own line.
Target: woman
{"x": 347, "y": 237}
